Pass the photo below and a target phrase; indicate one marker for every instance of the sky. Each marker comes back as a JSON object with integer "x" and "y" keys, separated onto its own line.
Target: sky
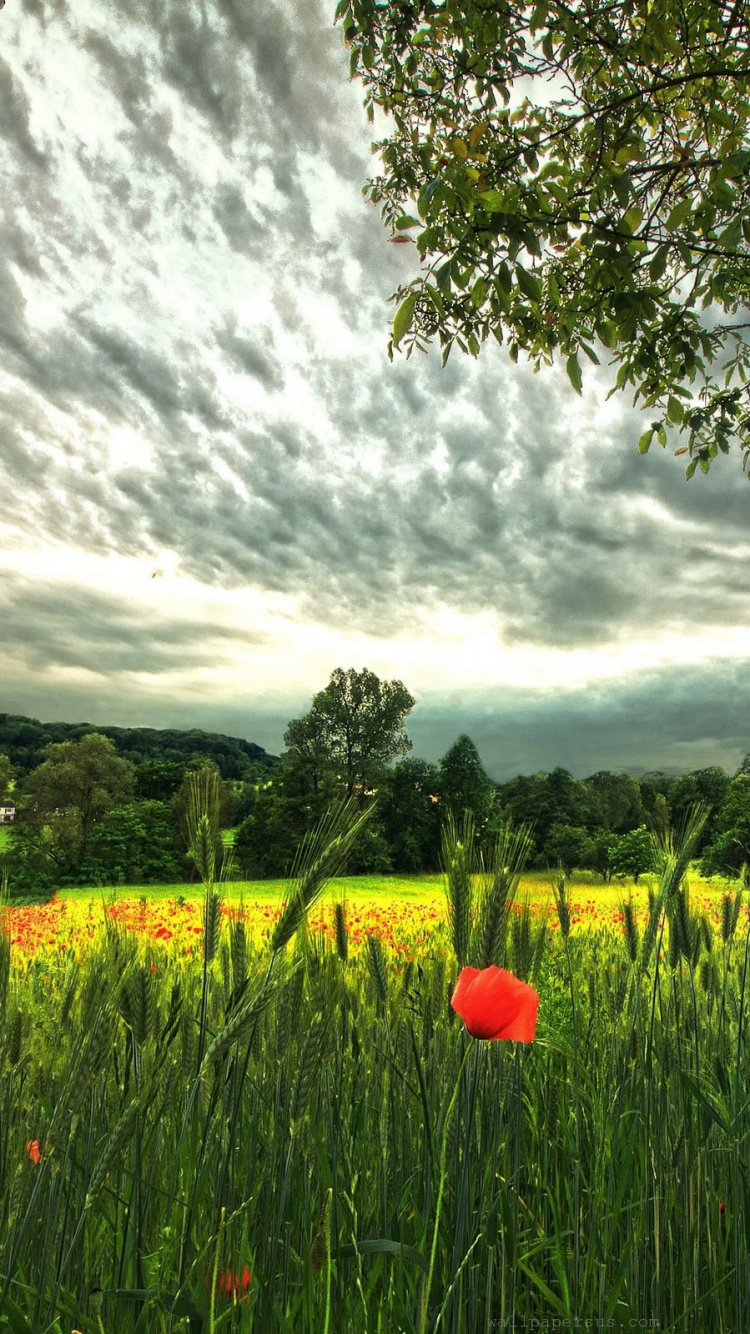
{"x": 215, "y": 488}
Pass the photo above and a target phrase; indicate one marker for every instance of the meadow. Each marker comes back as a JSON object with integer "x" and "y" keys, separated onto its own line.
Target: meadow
{"x": 247, "y": 1109}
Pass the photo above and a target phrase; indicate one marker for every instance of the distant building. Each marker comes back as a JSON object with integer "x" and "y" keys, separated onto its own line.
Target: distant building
{"x": 7, "y": 813}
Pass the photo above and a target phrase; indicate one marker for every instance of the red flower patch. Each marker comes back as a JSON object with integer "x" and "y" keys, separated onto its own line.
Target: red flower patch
{"x": 231, "y": 1286}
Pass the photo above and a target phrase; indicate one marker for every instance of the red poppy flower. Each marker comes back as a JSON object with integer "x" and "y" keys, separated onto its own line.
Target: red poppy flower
{"x": 33, "y": 1150}
{"x": 496, "y": 1004}
{"x": 230, "y": 1285}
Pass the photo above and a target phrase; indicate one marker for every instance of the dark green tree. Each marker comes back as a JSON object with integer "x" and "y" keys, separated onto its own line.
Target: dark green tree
{"x": 574, "y": 178}
{"x": 464, "y": 785}
{"x": 708, "y": 786}
{"x": 354, "y": 729}
{"x": 617, "y": 802}
{"x": 409, "y": 807}
{"x": 602, "y": 844}
{"x": 569, "y": 846}
{"x": 158, "y": 780}
{"x": 633, "y": 854}
{"x": 135, "y": 844}
{"x": 655, "y": 787}
{"x": 6, "y": 773}
{"x": 729, "y": 847}
{"x": 27, "y": 862}
{"x": 70, "y": 791}
{"x": 267, "y": 839}
{"x": 542, "y": 800}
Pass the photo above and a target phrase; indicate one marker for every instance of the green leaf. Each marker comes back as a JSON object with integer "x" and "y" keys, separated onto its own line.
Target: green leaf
{"x": 383, "y": 1246}
{"x": 528, "y": 283}
{"x": 675, "y": 410}
{"x": 406, "y": 221}
{"x": 679, "y": 214}
{"x": 493, "y": 200}
{"x": 692, "y": 465}
{"x": 644, "y": 443}
{"x": 623, "y": 187}
{"x": 403, "y": 317}
{"x": 659, "y": 263}
{"x": 590, "y": 353}
{"x": 479, "y": 292}
{"x": 443, "y": 276}
{"x": 736, "y": 165}
{"x": 632, "y": 219}
{"x": 573, "y": 368}
{"x": 607, "y": 334}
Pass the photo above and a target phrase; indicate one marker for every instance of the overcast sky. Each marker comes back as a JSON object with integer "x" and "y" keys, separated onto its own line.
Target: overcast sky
{"x": 215, "y": 488}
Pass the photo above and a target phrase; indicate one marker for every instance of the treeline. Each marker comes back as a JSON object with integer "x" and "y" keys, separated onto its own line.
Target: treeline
{"x": 604, "y": 823}
{"x": 108, "y": 806}
{"x": 90, "y": 812}
{"x": 25, "y": 742}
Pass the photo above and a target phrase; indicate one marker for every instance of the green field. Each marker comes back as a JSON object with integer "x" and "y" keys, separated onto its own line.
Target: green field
{"x": 291, "y": 1134}
{"x": 537, "y": 886}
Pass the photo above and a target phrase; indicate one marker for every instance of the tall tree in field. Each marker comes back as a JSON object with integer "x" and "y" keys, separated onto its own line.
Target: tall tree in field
{"x": 464, "y": 785}
{"x": 77, "y": 783}
{"x": 575, "y": 178}
{"x": 355, "y": 727}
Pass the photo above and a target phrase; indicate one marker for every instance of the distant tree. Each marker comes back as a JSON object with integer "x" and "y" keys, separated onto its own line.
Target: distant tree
{"x": 267, "y": 840}
{"x": 744, "y": 767}
{"x": 602, "y": 844}
{"x": 542, "y": 800}
{"x": 464, "y": 785}
{"x": 26, "y": 739}
{"x": 708, "y": 786}
{"x": 6, "y": 773}
{"x": 568, "y": 846}
{"x": 27, "y": 862}
{"x": 633, "y": 854}
{"x": 659, "y": 818}
{"x": 410, "y": 811}
{"x": 158, "y": 780}
{"x": 729, "y": 847}
{"x": 574, "y": 180}
{"x": 655, "y": 787}
{"x": 133, "y": 844}
{"x": 70, "y": 791}
{"x": 354, "y": 728}
{"x": 617, "y": 803}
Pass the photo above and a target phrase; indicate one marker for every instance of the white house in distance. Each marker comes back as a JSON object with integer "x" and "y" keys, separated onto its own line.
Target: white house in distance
{"x": 7, "y": 812}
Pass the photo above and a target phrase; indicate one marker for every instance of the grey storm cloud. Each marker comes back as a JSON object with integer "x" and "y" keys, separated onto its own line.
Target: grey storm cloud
{"x": 664, "y": 720}
{"x": 107, "y": 635}
{"x": 187, "y": 258}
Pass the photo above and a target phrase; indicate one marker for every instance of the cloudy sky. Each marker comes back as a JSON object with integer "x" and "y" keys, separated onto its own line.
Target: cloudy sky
{"x": 215, "y": 488}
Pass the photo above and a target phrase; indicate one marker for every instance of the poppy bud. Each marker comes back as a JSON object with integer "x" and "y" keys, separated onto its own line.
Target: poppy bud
{"x": 495, "y": 1004}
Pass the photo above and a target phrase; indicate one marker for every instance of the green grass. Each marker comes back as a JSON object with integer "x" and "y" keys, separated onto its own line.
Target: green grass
{"x": 4, "y": 836}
